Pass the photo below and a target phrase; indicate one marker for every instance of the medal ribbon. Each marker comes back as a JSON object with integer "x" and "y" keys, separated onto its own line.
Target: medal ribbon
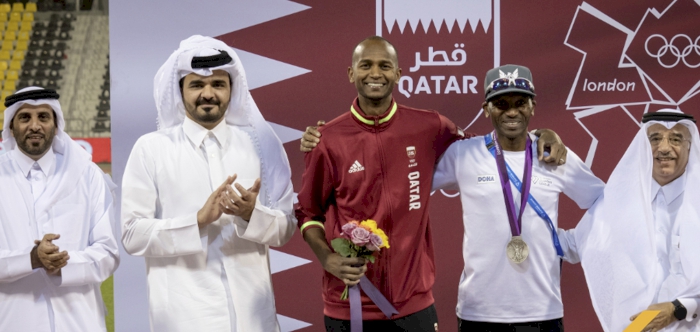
{"x": 495, "y": 148}
{"x": 492, "y": 145}
{"x": 356, "y": 305}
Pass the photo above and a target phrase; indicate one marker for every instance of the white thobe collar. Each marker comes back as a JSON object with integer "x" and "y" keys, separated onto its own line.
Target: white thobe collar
{"x": 47, "y": 162}
{"x": 196, "y": 133}
{"x": 671, "y": 190}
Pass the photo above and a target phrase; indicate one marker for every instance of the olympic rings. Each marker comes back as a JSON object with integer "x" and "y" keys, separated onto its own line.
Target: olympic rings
{"x": 670, "y": 47}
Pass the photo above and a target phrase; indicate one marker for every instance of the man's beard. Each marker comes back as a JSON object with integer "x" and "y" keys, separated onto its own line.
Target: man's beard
{"x": 210, "y": 116}
{"x": 33, "y": 149}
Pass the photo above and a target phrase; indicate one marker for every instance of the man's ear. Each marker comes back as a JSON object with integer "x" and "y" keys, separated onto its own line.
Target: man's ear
{"x": 351, "y": 74}
{"x": 484, "y": 106}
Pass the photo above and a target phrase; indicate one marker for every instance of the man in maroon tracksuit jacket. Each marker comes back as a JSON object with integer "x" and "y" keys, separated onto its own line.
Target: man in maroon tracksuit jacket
{"x": 377, "y": 162}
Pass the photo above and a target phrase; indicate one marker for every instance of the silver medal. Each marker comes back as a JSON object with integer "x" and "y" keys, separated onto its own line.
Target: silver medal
{"x": 517, "y": 250}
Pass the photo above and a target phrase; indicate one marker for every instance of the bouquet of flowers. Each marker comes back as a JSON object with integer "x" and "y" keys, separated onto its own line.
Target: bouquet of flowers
{"x": 359, "y": 239}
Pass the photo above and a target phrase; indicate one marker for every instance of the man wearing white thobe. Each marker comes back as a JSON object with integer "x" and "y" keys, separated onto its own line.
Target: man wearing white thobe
{"x": 639, "y": 243}
{"x": 206, "y": 243}
{"x": 52, "y": 196}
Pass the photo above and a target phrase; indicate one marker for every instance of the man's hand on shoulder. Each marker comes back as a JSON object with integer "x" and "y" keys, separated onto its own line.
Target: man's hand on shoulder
{"x": 46, "y": 254}
{"x": 240, "y": 205}
{"x": 311, "y": 137}
{"x": 663, "y": 319}
{"x": 211, "y": 211}
{"x": 551, "y": 143}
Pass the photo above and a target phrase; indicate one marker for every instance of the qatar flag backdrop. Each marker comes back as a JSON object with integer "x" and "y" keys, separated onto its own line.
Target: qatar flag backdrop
{"x": 597, "y": 65}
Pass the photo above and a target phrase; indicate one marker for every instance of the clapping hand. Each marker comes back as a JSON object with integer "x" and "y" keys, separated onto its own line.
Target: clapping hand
{"x": 211, "y": 211}
{"x": 242, "y": 204}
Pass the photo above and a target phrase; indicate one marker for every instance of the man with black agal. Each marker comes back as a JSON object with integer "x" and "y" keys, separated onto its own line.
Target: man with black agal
{"x": 206, "y": 195}
{"x": 57, "y": 242}
{"x": 639, "y": 244}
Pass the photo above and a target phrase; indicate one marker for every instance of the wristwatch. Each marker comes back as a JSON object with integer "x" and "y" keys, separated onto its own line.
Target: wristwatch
{"x": 679, "y": 311}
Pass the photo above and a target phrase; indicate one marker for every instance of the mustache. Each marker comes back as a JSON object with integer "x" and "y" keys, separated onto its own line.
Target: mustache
{"x": 34, "y": 133}
{"x": 665, "y": 155}
{"x": 210, "y": 102}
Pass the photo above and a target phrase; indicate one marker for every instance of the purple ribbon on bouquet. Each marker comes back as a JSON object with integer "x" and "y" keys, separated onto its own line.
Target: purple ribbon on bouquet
{"x": 356, "y": 305}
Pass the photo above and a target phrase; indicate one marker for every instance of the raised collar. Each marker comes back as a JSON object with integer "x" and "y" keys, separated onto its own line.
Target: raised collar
{"x": 373, "y": 120}
{"x": 671, "y": 190}
{"x": 47, "y": 162}
{"x": 196, "y": 133}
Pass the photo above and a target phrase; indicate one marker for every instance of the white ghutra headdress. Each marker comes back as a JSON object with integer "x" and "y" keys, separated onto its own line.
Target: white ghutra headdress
{"x": 210, "y": 54}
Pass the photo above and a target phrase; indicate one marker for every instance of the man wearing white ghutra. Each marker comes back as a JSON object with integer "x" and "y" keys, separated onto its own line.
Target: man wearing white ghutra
{"x": 639, "y": 243}
{"x": 57, "y": 242}
{"x": 512, "y": 255}
{"x": 205, "y": 240}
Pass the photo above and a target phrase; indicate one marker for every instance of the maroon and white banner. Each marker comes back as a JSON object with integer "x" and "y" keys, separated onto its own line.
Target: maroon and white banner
{"x": 597, "y": 65}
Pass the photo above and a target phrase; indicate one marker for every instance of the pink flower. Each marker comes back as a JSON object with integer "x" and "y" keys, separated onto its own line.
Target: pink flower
{"x": 348, "y": 228}
{"x": 360, "y": 236}
{"x": 375, "y": 242}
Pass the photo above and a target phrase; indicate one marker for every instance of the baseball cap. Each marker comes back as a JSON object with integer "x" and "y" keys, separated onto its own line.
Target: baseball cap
{"x": 507, "y": 79}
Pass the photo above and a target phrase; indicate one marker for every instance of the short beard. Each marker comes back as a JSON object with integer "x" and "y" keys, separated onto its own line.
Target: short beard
{"x": 206, "y": 117}
{"x": 31, "y": 150}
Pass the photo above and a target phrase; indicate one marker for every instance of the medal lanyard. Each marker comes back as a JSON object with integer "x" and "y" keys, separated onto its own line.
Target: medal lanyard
{"x": 492, "y": 145}
{"x": 515, "y": 224}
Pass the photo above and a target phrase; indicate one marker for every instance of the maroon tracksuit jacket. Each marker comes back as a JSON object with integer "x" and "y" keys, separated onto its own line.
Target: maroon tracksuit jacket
{"x": 380, "y": 168}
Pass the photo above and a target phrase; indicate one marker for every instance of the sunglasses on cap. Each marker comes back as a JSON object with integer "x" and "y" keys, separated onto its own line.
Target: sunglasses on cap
{"x": 504, "y": 83}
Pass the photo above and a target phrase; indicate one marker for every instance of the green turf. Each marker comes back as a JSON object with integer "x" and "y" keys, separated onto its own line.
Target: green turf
{"x": 108, "y": 296}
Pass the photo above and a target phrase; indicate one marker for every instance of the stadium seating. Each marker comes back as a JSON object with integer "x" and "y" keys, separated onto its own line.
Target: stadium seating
{"x": 46, "y": 43}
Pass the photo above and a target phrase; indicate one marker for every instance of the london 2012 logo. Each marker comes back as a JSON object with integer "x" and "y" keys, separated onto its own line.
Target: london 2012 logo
{"x": 679, "y": 48}
{"x": 657, "y": 65}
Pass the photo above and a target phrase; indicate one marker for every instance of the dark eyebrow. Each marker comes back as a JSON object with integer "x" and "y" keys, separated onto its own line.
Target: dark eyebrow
{"x": 677, "y": 134}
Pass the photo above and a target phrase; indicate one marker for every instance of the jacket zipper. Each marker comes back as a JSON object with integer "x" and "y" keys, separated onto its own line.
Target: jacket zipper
{"x": 387, "y": 198}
